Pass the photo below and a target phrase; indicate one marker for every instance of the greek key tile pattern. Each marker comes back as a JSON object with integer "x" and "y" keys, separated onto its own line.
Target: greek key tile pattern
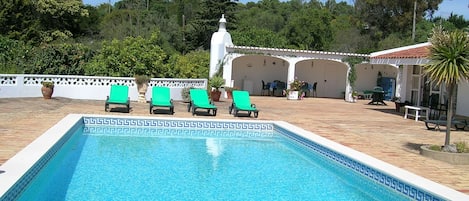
{"x": 405, "y": 189}
{"x": 172, "y": 132}
{"x": 177, "y": 128}
{"x": 178, "y": 124}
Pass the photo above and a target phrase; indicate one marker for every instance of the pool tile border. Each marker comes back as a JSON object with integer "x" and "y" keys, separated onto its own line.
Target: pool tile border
{"x": 261, "y": 128}
{"x": 403, "y": 188}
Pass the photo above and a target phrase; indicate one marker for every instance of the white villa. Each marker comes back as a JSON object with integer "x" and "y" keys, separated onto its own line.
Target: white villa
{"x": 399, "y": 69}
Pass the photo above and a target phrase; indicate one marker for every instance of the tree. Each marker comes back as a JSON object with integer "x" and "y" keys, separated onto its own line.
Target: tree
{"x": 449, "y": 65}
{"x": 200, "y": 30}
{"x": 259, "y": 38}
{"x": 310, "y": 29}
{"x": 383, "y": 17}
{"x": 195, "y": 64}
{"x": 129, "y": 57}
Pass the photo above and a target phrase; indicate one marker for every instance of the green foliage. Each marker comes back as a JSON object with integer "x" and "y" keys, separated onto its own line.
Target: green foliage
{"x": 131, "y": 56}
{"x": 309, "y": 29}
{"x": 14, "y": 56}
{"x": 352, "y": 61}
{"x": 185, "y": 94}
{"x": 192, "y": 65}
{"x": 449, "y": 56}
{"x": 259, "y": 38}
{"x": 141, "y": 79}
{"x": 216, "y": 82}
{"x": 462, "y": 147}
{"x": 48, "y": 84}
{"x": 59, "y": 59}
{"x": 449, "y": 64}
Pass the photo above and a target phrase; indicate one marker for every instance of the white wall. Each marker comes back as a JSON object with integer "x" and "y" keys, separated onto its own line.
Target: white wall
{"x": 253, "y": 69}
{"x": 367, "y": 75}
{"x": 330, "y": 75}
{"x": 462, "y": 107}
{"x": 86, "y": 87}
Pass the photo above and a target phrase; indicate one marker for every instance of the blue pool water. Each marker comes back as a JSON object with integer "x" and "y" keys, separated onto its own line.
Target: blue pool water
{"x": 175, "y": 164}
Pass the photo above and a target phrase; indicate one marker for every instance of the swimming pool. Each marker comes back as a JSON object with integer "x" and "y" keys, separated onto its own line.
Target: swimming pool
{"x": 405, "y": 183}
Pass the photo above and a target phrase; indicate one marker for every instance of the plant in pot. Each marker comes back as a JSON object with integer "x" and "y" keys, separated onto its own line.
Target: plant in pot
{"x": 142, "y": 86}
{"x": 185, "y": 94}
{"x": 229, "y": 91}
{"x": 216, "y": 82}
{"x": 47, "y": 89}
{"x": 354, "y": 96}
{"x": 295, "y": 88}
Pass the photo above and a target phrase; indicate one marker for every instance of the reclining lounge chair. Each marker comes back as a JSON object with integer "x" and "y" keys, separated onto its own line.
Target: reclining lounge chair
{"x": 459, "y": 124}
{"x": 119, "y": 95}
{"x": 200, "y": 100}
{"x": 242, "y": 102}
{"x": 161, "y": 97}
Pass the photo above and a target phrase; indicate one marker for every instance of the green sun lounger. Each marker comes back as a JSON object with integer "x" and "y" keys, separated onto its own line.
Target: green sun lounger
{"x": 459, "y": 124}
{"x": 200, "y": 100}
{"x": 242, "y": 102}
{"x": 119, "y": 95}
{"x": 161, "y": 97}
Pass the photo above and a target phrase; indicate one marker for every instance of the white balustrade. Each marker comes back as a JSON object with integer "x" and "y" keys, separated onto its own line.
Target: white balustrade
{"x": 87, "y": 87}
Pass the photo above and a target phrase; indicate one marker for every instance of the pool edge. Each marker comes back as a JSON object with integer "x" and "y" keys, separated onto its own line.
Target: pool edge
{"x": 15, "y": 168}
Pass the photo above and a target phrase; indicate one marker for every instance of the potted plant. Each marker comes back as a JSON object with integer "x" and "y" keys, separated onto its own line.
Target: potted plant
{"x": 185, "y": 94}
{"x": 397, "y": 102}
{"x": 142, "y": 86}
{"x": 216, "y": 82}
{"x": 295, "y": 88}
{"x": 47, "y": 89}
{"x": 229, "y": 91}
{"x": 354, "y": 96}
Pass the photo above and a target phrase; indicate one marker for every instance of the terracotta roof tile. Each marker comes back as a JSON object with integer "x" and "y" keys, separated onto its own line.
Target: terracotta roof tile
{"x": 418, "y": 52}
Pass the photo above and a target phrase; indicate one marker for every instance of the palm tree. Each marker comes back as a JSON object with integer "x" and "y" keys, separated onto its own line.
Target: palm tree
{"x": 449, "y": 65}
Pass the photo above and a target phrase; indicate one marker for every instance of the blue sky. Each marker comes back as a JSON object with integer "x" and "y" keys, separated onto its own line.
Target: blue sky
{"x": 460, "y": 7}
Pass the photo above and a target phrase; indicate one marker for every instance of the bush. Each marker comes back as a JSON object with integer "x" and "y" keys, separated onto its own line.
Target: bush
{"x": 129, "y": 57}
{"x": 59, "y": 59}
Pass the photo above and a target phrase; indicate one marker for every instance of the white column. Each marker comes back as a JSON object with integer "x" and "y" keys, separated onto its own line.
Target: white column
{"x": 399, "y": 83}
{"x": 291, "y": 73}
{"x": 348, "y": 87}
{"x": 403, "y": 81}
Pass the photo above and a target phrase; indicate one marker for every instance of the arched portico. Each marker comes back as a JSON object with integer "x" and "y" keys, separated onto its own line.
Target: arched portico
{"x": 246, "y": 67}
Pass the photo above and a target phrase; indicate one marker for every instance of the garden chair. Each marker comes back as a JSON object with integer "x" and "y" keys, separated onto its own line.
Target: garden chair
{"x": 242, "y": 102}
{"x": 200, "y": 100}
{"x": 161, "y": 97}
{"x": 119, "y": 95}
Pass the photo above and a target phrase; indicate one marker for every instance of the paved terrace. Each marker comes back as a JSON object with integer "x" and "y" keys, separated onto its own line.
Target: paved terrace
{"x": 375, "y": 130}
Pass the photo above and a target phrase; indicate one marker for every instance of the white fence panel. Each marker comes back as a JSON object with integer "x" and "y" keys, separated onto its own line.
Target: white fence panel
{"x": 87, "y": 87}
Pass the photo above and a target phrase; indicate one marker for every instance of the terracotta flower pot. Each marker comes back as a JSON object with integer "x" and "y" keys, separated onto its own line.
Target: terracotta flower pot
{"x": 215, "y": 95}
{"x": 47, "y": 92}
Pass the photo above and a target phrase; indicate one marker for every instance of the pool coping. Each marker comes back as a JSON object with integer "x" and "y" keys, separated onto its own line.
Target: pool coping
{"x": 12, "y": 170}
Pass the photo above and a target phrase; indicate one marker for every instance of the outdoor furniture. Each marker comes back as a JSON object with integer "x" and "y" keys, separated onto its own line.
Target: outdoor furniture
{"x": 200, "y": 100}
{"x": 367, "y": 94}
{"x": 119, "y": 95}
{"x": 417, "y": 112}
{"x": 377, "y": 97}
{"x": 277, "y": 88}
{"x": 242, "y": 102}
{"x": 459, "y": 124}
{"x": 265, "y": 88}
{"x": 161, "y": 97}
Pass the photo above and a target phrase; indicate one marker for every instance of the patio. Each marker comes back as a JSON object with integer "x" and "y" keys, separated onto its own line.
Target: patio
{"x": 376, "y": 130}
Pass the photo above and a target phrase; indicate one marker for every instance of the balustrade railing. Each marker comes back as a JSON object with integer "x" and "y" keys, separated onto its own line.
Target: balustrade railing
{"x": 87, "y": 87}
